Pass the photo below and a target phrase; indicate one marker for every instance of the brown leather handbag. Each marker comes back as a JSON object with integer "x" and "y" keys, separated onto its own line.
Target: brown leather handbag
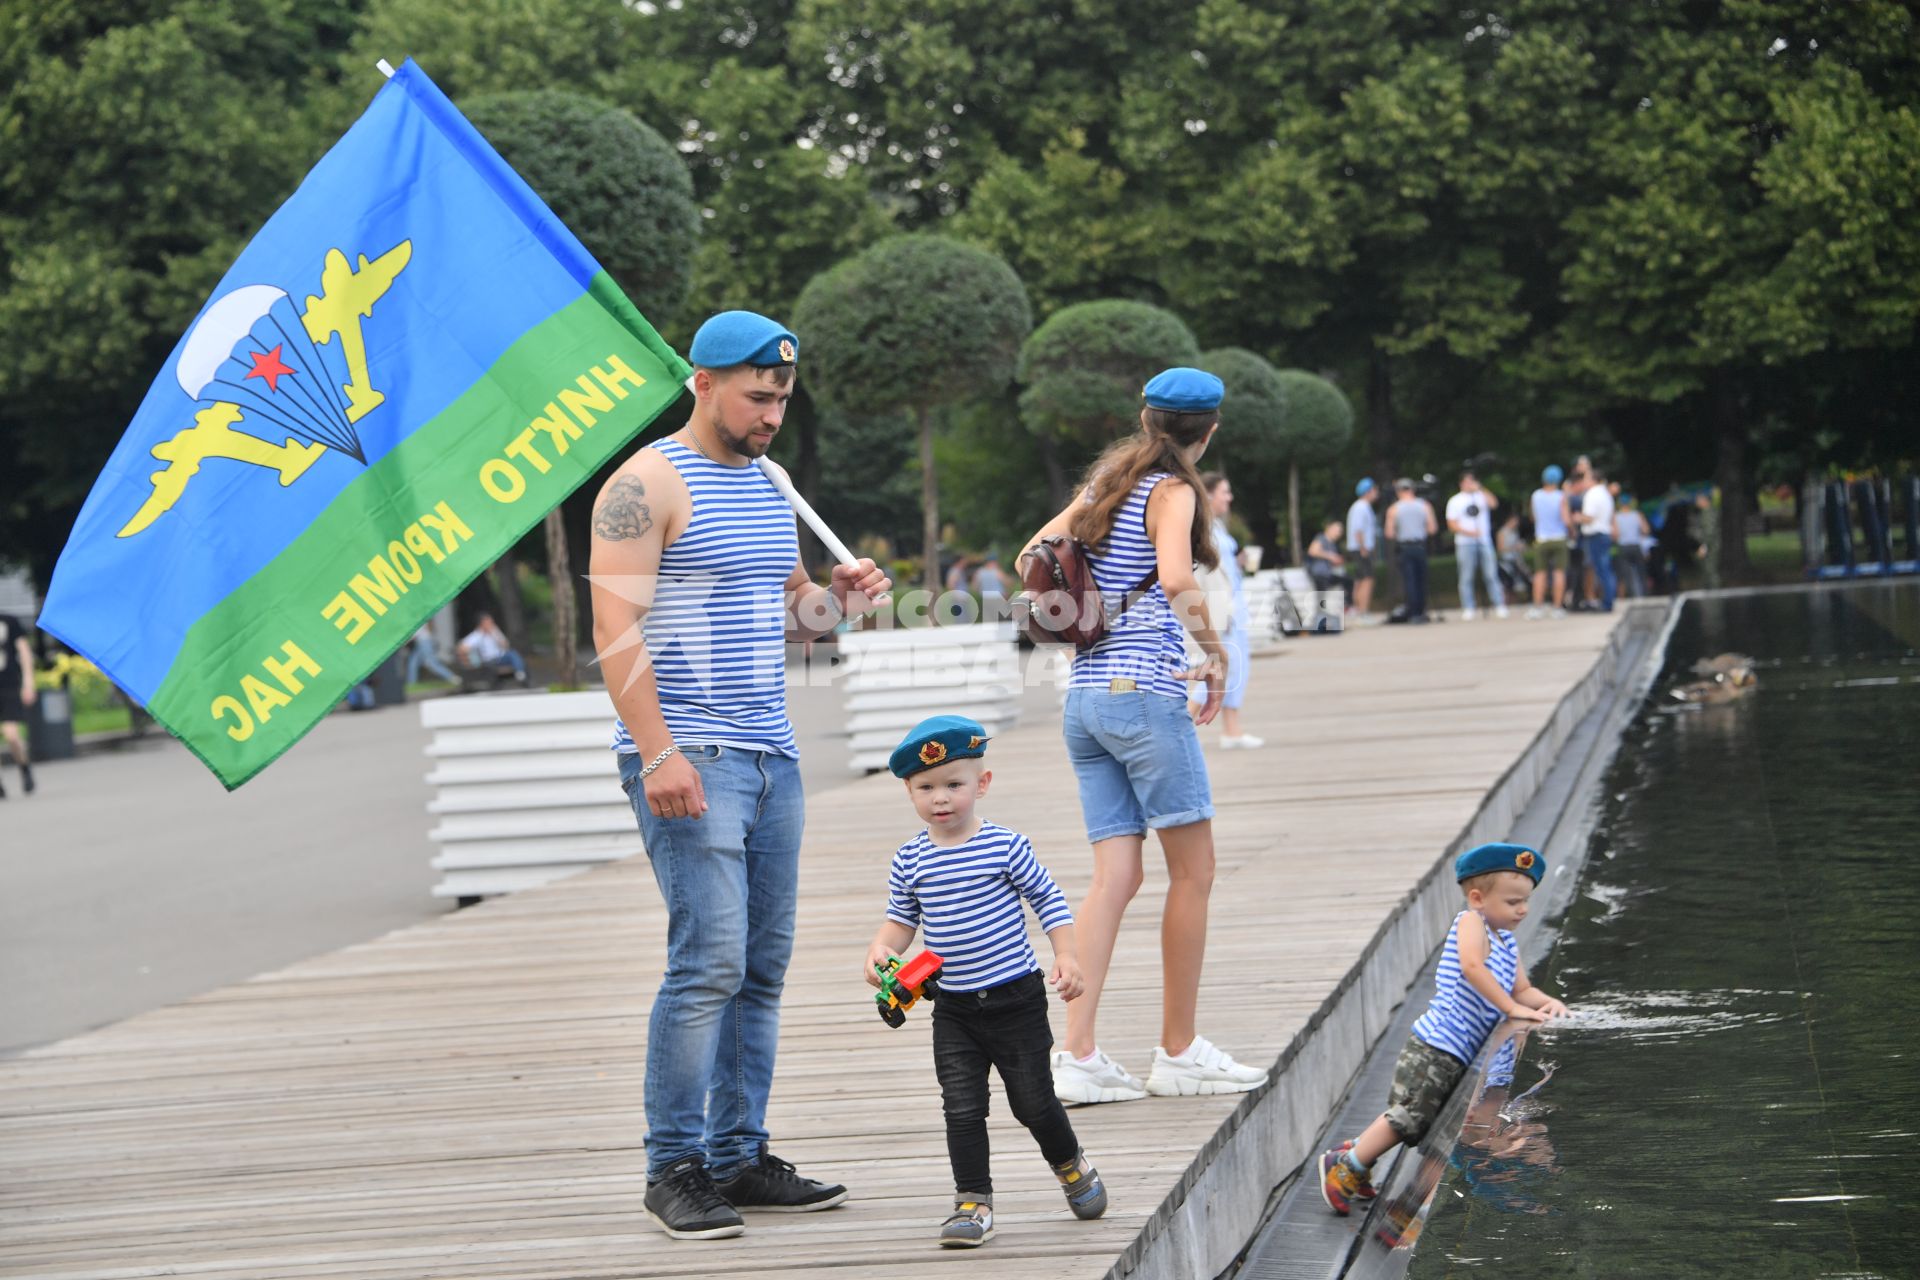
{"x": 1059, "y": 602}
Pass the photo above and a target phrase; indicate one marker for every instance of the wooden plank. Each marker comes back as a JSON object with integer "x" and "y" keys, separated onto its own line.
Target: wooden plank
{"x": 463, "y": 1098}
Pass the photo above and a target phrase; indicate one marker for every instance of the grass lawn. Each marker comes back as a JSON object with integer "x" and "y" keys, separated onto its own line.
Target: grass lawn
{"x": 102, "y": 720}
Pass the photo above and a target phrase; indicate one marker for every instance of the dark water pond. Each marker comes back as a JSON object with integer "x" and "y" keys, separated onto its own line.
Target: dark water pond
{"x": 1740, "y": 1095}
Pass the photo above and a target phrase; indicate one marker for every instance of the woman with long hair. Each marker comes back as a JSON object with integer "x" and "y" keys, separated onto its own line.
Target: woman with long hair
{"x": 1144, "y": 517}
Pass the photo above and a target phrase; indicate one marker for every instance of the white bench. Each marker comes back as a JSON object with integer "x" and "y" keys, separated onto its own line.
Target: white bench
{"x": 525, "y": 788}
{"x": 896, "y": 678}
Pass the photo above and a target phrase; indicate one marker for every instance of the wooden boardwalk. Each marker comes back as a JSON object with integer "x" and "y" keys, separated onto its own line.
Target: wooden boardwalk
{"x": 462, "y": 1098}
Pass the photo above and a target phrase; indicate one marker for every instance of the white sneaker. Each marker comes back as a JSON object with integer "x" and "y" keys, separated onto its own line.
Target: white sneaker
{"x": 1559, "y": 613}
{"x": 1501, "y": 612}
{"x": 1536, "y": 613}
{"x": 1201, "y": 1069}
{"x": 1468, "y": 615}
{"x": 1100, "y": 1079}
{"x": 1245, "y": 742}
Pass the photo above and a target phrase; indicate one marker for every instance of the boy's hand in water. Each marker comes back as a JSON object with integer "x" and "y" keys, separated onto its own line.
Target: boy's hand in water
{"x": 1553, "y": 1008}
{"x": 1521, "y": 1013}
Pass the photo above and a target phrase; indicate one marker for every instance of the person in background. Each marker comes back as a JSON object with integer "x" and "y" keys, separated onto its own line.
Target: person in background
{"x": 1325, "y": 565}
{"x": 1410, "y": 522}
{"x": 989, "y": 581}
{"x": 1596, "y": 537}
{"x": 1571, "y": 497}
{"x": 1239, "y": 624}
{"x": 17, "y": 693}
{"x": 1512, "y": 550}
{"x": 1470, "y": 519}
{"x": 1549, "y": 545}
{"x": 486, "y": 646}
{"x": 1363, "y": 543}
{"x": 1631, "y": 537}
{"x": 421, "y": 655}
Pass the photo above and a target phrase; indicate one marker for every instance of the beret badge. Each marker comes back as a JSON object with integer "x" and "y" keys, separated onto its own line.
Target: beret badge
{"x": 786, "y": 351}
{"x": 933, "y": 753}
{"x": 1524, "y": 859}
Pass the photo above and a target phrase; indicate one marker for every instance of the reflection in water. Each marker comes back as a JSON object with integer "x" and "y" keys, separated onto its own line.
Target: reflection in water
{"x": 1737, "y": 1093}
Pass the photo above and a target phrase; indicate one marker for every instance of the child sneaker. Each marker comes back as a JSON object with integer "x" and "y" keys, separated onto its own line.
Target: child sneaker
{"x": 1203, "y": 1068}
{"x": 1340, "y": 1185}
{"x": 1099, "y": 1079}
{"x": 970, "y": 1226}
{"x": 1367, "y": 1190}
{"x": 1086, "y": 1194}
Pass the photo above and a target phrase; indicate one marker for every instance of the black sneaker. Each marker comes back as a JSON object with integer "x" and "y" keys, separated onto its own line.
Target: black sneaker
{"x": 26, "y": 778}
{"x": 688, "y": 1206}
{"x": 770, "y": 1184}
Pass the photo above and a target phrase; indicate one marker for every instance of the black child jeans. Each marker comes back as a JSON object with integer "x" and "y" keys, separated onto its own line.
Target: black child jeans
{"x": 1004, "y": 1027}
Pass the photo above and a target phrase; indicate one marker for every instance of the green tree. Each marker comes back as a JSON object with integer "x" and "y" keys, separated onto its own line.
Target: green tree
{"x": 913, "y": 324}
{"x": 1751, "y": 212}
{"x": 1315, "y": 427}
{"x": 1252, "y": 417}
{"x": 144, "y": 145}
{"x": 619, "y": 187}
{"x": 1083, "y": 371}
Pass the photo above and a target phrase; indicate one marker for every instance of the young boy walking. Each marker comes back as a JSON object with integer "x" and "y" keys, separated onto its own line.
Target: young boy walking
{"x": 1479, "y": 982}
{"x": 960, "y": 883}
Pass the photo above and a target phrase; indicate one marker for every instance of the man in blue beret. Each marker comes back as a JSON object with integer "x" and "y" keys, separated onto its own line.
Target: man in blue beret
{"x": 697, "y": 587}
{"x": 1479, "y": 982}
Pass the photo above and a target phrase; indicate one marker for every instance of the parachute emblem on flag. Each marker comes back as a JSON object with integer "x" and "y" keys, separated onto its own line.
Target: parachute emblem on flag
{"x": 299, "y": 374}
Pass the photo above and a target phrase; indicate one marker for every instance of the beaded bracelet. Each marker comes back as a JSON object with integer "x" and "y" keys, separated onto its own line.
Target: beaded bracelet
{"x": 658, "y": 760}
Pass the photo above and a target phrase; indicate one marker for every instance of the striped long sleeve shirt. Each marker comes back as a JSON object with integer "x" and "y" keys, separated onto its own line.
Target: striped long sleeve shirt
{"x": 965, "y": 900}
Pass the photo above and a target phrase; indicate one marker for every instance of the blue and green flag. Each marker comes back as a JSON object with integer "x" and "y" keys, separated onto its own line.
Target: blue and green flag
{"x": 404, "y": 371}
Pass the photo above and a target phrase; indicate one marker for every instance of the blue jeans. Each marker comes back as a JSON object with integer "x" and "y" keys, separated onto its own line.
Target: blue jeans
{"x": 421, "y": 655}
{"x": 1413, "y": 575}
{"x": 730, "y": 880}
{"x": 1477, "y": 557}
{"x": 1137, "y": 758}
{"x": 1598, "y": 548}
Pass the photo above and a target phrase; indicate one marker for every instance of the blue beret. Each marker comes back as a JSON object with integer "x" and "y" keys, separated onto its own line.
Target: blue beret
{"x": 1499, "y": 857}
{"x": 743, "y": 337}
{"x": 1552, "y": 475}
{"x": 1362, "y": 489}
{"x": 936, "y": 741}
{"x": 1185, "y": 391}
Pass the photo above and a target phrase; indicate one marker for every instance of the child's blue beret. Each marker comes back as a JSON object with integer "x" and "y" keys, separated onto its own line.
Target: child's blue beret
{"x": 743, "y": 337}
{"x": 1499, "y": 857}
{"x": 1362, "y": 489}
{"x": 935, "y": 741}
{"x": 1185, "y": 391}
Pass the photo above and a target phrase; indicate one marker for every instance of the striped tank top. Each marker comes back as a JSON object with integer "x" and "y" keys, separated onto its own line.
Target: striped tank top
{"x": 965, "y": 900}
{"x": 1144, "y": 644}
{"x": 1459, "y": 1019}
{"x": 715, "y": 633}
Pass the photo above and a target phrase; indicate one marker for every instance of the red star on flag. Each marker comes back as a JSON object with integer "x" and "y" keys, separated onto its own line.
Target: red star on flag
{"x": 269, "y": 365}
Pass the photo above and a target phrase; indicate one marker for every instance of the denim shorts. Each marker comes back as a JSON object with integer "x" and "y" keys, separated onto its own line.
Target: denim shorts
{"x": 1138, "y": 760}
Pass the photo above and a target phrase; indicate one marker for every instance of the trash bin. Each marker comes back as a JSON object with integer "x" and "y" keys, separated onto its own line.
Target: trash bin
{"x": 50, "y": 726}
{"x": 389, "y": 681}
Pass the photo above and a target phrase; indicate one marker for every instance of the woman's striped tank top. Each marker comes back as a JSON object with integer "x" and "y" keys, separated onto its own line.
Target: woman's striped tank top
{"x": 1460, "y": 1018}
{"x": 1144, "y": 643}
{"x": 715, "y": 633}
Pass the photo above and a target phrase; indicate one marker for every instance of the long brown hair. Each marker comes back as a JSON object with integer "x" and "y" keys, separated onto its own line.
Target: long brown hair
{"x": 1159, "y": 445}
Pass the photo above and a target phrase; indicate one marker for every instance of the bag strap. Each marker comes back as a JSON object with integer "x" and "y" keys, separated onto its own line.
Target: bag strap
{"x": 1139, "y": 590}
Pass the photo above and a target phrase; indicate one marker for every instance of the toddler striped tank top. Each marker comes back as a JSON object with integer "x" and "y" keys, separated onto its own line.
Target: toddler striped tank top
{"x": 1460, "y": 1018}
{"x": 715, "y": 633}
{"x": 1143, "y": 644}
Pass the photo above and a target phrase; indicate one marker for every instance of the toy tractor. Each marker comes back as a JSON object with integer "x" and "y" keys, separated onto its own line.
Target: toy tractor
{"x": 901, "y": 985}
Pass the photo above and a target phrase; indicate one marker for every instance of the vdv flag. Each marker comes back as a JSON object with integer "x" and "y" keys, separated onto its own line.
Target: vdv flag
{"x": 411, "y": 363}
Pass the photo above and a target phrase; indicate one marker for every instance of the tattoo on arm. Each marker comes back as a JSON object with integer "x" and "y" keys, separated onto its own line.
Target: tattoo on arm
{"x": 622, "y": 513}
